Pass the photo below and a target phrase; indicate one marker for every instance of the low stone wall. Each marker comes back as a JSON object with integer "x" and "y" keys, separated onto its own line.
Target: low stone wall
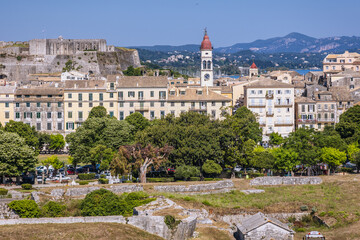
{"x": 195, "y": 188}
{"x": 261, "y": 181}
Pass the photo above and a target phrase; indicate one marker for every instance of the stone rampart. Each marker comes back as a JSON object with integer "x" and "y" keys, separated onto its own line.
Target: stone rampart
{"x": 195, "y": 188}
{"x": 262, "y": 181}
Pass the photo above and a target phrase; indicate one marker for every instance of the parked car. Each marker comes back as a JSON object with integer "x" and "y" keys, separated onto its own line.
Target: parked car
{"x": 71, "y": 171}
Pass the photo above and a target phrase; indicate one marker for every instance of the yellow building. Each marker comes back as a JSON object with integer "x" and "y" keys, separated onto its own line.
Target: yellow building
{"x": 6, "y": 104}
{"x": 335, "y": 63}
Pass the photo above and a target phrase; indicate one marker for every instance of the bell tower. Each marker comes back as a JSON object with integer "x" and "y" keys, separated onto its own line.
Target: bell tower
{"x": 207, "y": 76}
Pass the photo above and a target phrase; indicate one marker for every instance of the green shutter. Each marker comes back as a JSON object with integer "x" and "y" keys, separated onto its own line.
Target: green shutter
{"x": 67, "y": 126}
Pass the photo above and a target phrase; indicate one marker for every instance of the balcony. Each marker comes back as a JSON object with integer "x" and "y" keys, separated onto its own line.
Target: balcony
{"x": 121, "y": 98}
{"x": 285, "y": 123}
{"x": 141, "y": 109}
{"x": 283, "y": 104}
{"x": 269, "y": 114}
{"x": 269, "y": 96}
{"x": 326, "y": 120}
{"x": 198, "y": 109}
{"x": 307, "y": 121}
{"x": 257, "y": 105}
{"x": 262, "y": 124}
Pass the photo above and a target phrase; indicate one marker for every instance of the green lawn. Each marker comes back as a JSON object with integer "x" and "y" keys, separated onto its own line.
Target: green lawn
{"x": 62, "y": 157}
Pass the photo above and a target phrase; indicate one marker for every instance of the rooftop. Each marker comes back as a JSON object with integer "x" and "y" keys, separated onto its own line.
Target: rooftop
{"x": 139, "y": 81}
{"x": 269, "y": 83}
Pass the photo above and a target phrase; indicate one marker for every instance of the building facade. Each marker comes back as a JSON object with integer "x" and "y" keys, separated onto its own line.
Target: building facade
{"x": 6, "y": 104}
{"x": 335, "y": 63}
{"x": 207, "y": 75}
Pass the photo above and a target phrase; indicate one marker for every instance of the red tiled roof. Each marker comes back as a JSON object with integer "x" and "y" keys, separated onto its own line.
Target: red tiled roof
{"x": 253, "y": 65}
{"x": 206, "y": 44}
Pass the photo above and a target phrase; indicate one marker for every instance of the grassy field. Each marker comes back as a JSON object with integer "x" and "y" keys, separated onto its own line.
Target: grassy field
{"x": 62, "y": 157}
{"x": 75, "y": 231}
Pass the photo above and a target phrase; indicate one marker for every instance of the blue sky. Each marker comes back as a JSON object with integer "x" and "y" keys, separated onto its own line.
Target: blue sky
{"x": 176, "y": 22}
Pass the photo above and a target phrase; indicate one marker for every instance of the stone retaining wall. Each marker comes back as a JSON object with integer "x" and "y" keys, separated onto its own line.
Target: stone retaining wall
{"x": 261, "y": 181}
{"x": 195, "y": 188}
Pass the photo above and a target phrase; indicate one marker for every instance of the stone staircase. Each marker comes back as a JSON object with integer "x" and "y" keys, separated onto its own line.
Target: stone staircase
{"x": 6, "y": 212}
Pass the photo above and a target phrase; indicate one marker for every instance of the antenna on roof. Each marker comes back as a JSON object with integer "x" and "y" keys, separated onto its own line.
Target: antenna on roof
{"x": 205, "y": 31}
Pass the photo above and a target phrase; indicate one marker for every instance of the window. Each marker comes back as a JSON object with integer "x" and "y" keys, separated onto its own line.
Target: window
{"x": 121, "y": 116}
{"x": 287, "y": 110}
{"x": 172, "y": 104}
{"x": 332, "y": 115}
{"x": 183, "y": 104}
{"x": 162, "y": 104}
{"x": 252, "y": 92}
{"x": 111, "y": 104}
{"x": 319, "y": 116}
{"x": 17, "y": 115}
{"x": 333, "y": 68}
{"x": 69, "y": 95}
{"x": 182, "y": 92}
{"x": 48, "y": 104}
{"x": 131, "y": 104}
{"x": 199, "y": 92}
{"x": 80, "y": 115}
{"x": 141, "y": 95}
{"x": 279, "y": 92}
{"x": 59, "y": 104}
{"x": 287, "y": 91}
{"x": 121, "y": 95}
{"x": 111, "y": 113}
{"x": 80, "y": 97}
{"x": 131, "y": 112}
{"x": 112, "y": 86}
{"x": 151, "y": 104}
{"x": 101, "y": 96}
{"x": 48, "y": 126}
{"x": 38, "y": 126}
{"x": 27, "y": 96}
{"x": 7, "y": 115}
{"x": 162, "y": 95}
{"x": 332, "y": 106}
{"x": 151, "y": 93}
{"x": 69, "y": 104}
{"x": 38, "y": 115}
{"x": 121, "y": 104}
{"x": 59, "y": 114}
{"x": 70, "y": 125}
{"x": 59, "y": 126}
{"x": 27, "y": 104}
{"x": 152, "y": 114}
{"x": 213, "y": 104}
{"x": 327, "y": 68}
{"x": 172, "y": 112}
{"x": 172, "y": 93}
{"x": 162, "y": 113}
{"x": 223, "y": 104}
{"x": 90, "y": 96}
{"x": 213, "y": 113}
{"x": 101, "y": 104}
{"x": 80, "y": 105}
{"x": 260, "y": 92}
{"x": 7, "y": 104}
{"x": 69, "y": 114}
{"x": 302, "y": 108}
{"x": 131, "y": 94}
{"x": 17, "y": 104}
{"x": 326, "y": 107}
{"x": 111, "y": 95}
{"x": 90, "y": 104}
{"x": 49, "y": 115}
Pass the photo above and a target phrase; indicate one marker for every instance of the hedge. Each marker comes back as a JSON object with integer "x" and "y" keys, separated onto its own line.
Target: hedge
{"x": 86, "y": 176}
{"x": 83, "y": 182}
{"x": 194, "y": 178}
{"x": 3, "y": 191}
{"x": 160, "y": 179}
{"x": 26, "y": 186}
{"x": 25, "y": 208}
{"x": 103, "y": 181}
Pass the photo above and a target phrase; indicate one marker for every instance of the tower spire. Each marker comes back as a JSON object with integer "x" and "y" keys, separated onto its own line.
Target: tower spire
{"x": 205, "y": 31}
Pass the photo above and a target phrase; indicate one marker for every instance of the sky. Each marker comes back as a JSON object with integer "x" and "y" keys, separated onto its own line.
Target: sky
{"x": 176, "y": 22}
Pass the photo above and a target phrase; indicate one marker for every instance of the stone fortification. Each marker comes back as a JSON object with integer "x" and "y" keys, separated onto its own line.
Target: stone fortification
{"x": 195, "y": 188}
{"x": 262, "y": 181}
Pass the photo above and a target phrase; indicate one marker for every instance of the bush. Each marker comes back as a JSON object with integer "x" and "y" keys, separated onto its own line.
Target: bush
{"x": 127, "y": 181}
{"x": 194, "y": 178}
{"x": 211, "y": 168}
{"x": 304, "y": 208}
{"x": 83, "y": 182}
{"x": 171, "y": 222}
{"x": 25, "y": 208}
{"x": 212, "y": 179}
{"x": 19, "y": 58}
{"x": 26, "y": 186}
{"x": 255, "y": 174}
{"x": 53, "y": 209}
{"x": 184, "y": 172}
{"x": 300, "y": 229}
{"x": 3, "y": 191}
{"x": 206, "y": 202}
{"x": 160, "y": 179}
{"x": 348, "y": 170}
{"x": 102, "y": 176}
{"x": 86, "y": 176}
{"x": 103, "y": 181}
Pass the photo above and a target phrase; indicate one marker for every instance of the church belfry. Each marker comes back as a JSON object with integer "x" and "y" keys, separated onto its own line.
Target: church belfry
{"x": 207, "y": 76}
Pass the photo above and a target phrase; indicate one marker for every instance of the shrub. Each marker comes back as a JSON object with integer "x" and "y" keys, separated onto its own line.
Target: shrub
{"x": 53, "y": 209}
{"x": 160, "y": 179}
{"x": 187, "y": 198}
{"x": 184, "y": 172}
{"x": 194, "y": 178}
{"x": 206, "y": 202}
{"x": 255, "y": 174}
{"x": 300, "y": 229}
{"x": 348, "y": 170}
{"x": 19, "y": 58}
{"x": 102, "y": 176}
{"x": 3, "y": 191}
{"x": 211, "y": 168}
{"x": 103, "y": 181}
{"x": 127, "y": 181}
{"x": 83, "y": 182}
{"x": 304, "y": 208}
{"x": 26, "y": 186}
{"x": 25, "y": 208}
{"x": 86, "y": 176}
{"x": 102, "y": 203}
{"x": 322, "y": 214}
{"x": 171, "y": 222}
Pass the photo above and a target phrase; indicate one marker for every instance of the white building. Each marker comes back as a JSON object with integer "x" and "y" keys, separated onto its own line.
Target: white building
{"x": 273, "y": 104}
{"x": 74, "y": 75}
{"x": 207, "y": 76}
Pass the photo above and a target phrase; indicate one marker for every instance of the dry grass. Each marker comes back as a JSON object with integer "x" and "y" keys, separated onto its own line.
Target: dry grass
{"x": 62, "y": 157}
{"x": 208, "y": 233}
{"x": 75, "y": 231}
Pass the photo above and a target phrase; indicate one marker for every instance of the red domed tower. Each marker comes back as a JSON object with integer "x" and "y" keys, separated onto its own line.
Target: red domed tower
{"x": 207, "y": 77}
{"x": 253, "y": 71}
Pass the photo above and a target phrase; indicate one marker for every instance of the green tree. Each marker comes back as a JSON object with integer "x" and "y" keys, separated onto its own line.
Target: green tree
{"x": 16, "y": 157}
{"x": 285, "y": 159}
{"x": 185, "y": 172}
{"x": 131, "y": 71}
{"x": 24, "y": 131}
{"x": 333, "y": 157}
{"x": 349, "y": 131}
{"x": 71, "y": 65}
{"x": 329, "y": 137}
{"x": 211, "y": 168}
{"x": 262, "y": 158}
{"x": 98, "y": 112}
{"x": 119, "y": 164}
{"x": 57, "y": 164}
{"x": 276, "y": 139}
{"x": 102, "y": 155}
{"x": 44, "y": 140}
{"x": 138, "y": 121}
{"x": 356, "y": 160}
{"x": 57, "y": 142}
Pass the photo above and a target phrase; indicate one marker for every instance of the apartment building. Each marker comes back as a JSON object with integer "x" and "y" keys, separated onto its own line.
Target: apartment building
{"x": 6, "y": 104}
{"x": 335, "y": 63}
{"x": 273, "y": 104}
{"x": 40, "y": 107}
{"x": 200, "y": 99}
{"x": 305, "y": 113}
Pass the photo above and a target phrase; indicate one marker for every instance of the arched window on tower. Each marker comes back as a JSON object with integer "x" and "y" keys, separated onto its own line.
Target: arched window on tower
{"x": 209, "y": 64}
{"x": 204, "y": 64}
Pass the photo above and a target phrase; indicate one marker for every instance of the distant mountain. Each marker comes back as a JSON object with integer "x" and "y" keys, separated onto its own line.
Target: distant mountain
{"x": 293, "y": 42}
